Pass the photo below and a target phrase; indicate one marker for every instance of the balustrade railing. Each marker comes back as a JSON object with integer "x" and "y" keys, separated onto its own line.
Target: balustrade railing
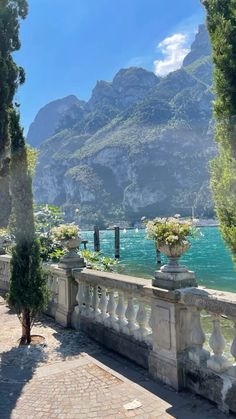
{"x": 119, "y": 305}
{"x": 185, "y": 337}
{"x": 207, "y": 344}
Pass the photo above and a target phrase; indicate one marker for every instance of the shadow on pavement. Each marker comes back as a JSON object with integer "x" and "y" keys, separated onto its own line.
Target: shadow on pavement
{"x": 17, "y": 367}
{"x": 184, "y": 405}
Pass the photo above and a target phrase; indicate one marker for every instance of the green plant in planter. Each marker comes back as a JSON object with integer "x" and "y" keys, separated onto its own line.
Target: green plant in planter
{"x": 170, "y": 231}
{"x": 65, "y": 232}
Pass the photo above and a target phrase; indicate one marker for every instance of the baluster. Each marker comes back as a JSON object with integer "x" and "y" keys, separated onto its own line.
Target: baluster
{"x": 197, "y": 336}
{"x": 149, "y": 337}
{"x": 120, "y": 311}
{"x": 80, "y": 298}
{"x": 103, "y": 306}
{"x": 87, "y": 301}
{"x": 217, "y": 362}
{"x": 233, "y": 346}
{"x": 111, "y": 308}
{"x": 95, "y": 302}
{"x": 130, "y": 316}
{"x": 142, "y": 321}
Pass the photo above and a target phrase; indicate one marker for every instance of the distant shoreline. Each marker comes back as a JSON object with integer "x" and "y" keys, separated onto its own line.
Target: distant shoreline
{"x": 201, "y": 224}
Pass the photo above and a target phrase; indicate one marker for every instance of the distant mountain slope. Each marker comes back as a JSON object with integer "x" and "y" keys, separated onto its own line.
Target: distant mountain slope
{"x": 47, "y": 119}
{"x": 140, "y": 146}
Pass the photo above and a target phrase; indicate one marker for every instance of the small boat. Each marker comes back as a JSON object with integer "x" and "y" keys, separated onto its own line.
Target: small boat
{"x": 124, "y": 230}
{"x": 136, "y": 230}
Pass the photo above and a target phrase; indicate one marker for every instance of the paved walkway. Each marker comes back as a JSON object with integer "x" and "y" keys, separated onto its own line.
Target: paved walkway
{"x": 73, "y": 377}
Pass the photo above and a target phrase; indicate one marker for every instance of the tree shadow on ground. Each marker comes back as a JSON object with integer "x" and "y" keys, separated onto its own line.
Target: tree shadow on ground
{"x": 17, "y": 367}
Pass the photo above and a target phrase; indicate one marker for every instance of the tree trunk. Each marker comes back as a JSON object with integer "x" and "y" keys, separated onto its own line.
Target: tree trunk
{"x": 26, "y": 335}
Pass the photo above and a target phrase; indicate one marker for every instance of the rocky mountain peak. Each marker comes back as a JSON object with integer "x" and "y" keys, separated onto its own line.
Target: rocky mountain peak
{"x": 47, "y": 119}
{"x": 200, "y": 47}
{"x": 128, "y": 86}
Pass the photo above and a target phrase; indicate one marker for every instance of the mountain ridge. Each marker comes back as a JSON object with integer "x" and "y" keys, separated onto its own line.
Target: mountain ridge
{"x": 140, "y": 146}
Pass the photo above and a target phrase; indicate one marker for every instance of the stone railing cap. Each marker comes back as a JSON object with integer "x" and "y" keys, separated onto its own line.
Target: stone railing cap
{"x": 111, "y": 279}
{"x": 214, "y": 301}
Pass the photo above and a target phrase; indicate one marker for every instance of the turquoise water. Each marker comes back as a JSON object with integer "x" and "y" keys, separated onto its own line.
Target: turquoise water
{"x": 208, "y": 257}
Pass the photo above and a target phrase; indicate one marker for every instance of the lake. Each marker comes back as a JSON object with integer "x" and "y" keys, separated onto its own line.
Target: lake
{"x": 208, "y": 256}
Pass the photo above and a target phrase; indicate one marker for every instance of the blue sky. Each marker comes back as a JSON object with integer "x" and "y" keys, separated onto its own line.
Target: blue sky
{"x": 68, "y": 45}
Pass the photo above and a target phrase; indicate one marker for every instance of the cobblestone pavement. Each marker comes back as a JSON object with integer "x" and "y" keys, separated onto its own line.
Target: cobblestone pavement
{"x": 72, "y": 377}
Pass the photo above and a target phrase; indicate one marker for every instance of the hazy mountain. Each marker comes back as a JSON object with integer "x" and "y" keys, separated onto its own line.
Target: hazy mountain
{"x": 47, "y": 120}
{"x": 140, "y": 146}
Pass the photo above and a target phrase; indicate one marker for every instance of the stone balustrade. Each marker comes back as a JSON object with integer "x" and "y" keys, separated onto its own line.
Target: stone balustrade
{"x": 209, "y": 359}
{"x": 116, "y": 309}
{"x": 176, "y": 334}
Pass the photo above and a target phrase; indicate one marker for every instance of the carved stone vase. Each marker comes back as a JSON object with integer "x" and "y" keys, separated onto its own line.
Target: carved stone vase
{"x": 72, "y": 258}
{"x": 173, "y": 254}
{"x": 172, "y": 275}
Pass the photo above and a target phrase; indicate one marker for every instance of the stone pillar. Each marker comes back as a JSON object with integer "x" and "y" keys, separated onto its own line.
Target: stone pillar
{"x": 67, "y": 290}
{"x": 169, "y": 328}
{"x": 172, "y": 278}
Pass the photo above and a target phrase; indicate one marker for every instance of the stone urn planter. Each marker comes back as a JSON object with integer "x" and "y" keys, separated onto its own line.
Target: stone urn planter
{"x": 171, "y": 235}
{"x": 72, "y": 259}
{"x": 72, "y": 245}
{"x": 173, "y": 253}
{"x": 68, "y": 236}
{"x": 172, "y": 275}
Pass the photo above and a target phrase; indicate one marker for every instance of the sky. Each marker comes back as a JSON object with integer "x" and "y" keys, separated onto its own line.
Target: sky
{"x": 67, "y": 45}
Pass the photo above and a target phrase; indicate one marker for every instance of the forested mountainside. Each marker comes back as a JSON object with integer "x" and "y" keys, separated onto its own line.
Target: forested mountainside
{"x": 139, "y": 147}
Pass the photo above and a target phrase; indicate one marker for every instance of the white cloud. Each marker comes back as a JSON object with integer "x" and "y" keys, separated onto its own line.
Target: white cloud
{"x": 174, "y": 49}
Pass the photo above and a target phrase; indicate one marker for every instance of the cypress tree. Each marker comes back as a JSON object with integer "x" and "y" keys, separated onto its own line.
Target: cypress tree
{"x": 10, "y": 77}
{"x": 28, "y": 291}
{"x": 221, "y": 24}
{"x": 28, "y": 286}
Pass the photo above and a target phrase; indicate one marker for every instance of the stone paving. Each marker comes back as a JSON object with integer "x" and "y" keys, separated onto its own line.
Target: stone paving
{"x": 72, "y": 377}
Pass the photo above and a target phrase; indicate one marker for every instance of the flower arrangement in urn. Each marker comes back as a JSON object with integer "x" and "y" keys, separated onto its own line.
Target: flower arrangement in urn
{"x": 171, "y": 236}
{"x": 68, "y": 235}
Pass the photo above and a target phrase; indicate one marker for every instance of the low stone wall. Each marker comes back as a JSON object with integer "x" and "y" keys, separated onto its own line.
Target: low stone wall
{"x": 162, "y": 330}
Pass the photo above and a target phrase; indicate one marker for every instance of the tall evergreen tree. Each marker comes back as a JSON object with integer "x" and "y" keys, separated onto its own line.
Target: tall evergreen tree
{"x": 28, "y": 287}
{"x": 221, "y": 23}
{"x": 10, "y": 77}
{"x": 28, "y": 292}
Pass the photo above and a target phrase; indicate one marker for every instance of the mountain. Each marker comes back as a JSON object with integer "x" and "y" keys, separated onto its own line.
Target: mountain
{"x": 47, "y": 119}
{"x": 139, "y": 147}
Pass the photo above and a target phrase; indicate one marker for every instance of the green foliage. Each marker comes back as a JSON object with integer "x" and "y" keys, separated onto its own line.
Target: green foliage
{"x": 170, "y": 231}
{"x": 86, "y": 176}
{"x": 65, "y": 232}
{"x": 32, "y": 154}
{"x": 99, "y": 262}
{"x": 46, "y": 217}
{"x": 221, "y": 22}
{"x": 28, "y": 291}
{"x": 201, "y": 69}
{"x": 11, "y": 76}
{"x": 28, "y": 288}
{"x": 28, "y": 285}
